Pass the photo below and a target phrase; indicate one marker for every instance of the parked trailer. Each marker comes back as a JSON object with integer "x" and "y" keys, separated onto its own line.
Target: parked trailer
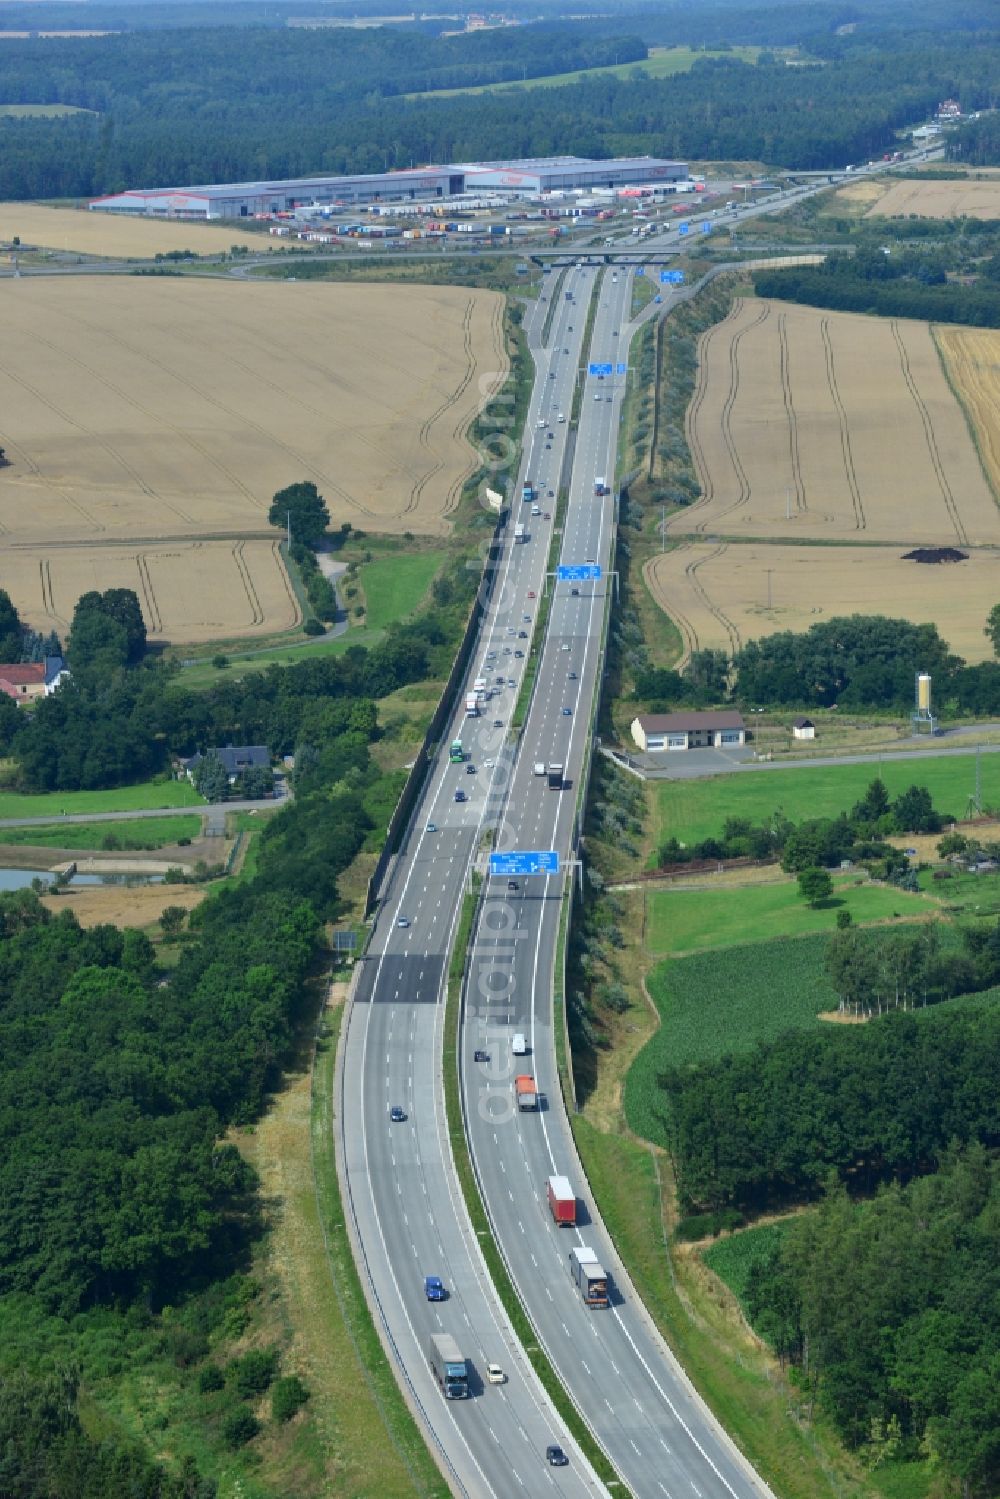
{"x": 527, "y": 1095}
{"x": 448, "y": 1366}
{"x": 562, "y": 1200}
{"x": 591, "y": 1279}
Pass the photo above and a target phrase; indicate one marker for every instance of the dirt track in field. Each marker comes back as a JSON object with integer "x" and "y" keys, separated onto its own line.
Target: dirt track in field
{"x": 164, "y": 413}
{"x": 832, "y": 426}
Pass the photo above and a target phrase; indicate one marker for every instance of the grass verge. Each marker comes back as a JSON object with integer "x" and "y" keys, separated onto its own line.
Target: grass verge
{"x": 385, "y": 1453}
{"x": 395, "y": 587}
{"x": 480, "y": 1222}
{"x": 588, "y": 335}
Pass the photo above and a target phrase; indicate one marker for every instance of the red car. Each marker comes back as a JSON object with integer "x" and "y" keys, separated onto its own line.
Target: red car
{"x": 531, "y": 593}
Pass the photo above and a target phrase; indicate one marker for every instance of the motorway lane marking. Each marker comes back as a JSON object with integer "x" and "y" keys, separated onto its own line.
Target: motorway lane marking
{"x": 639, "y": 1454}
{"x": 565, "y": 1329}
{"x": 696, "y": 1488}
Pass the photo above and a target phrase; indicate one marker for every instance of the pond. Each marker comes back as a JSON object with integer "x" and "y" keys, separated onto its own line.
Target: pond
{"x": 20, "y": 879}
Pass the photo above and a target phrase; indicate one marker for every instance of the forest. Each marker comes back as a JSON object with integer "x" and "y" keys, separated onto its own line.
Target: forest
{"x": 889, "y": 1310}
{"x": 906, "y": 285}
{"x": 198, "y": 105}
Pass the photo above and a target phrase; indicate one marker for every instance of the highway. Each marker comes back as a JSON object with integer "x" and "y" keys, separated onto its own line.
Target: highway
{"x": 401, "y": 1192}
{"x": 660, "y": 1437}
{"x": 402, "y": 1197}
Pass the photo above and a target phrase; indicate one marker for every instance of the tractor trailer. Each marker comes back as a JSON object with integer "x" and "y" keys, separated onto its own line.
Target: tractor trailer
{"x": 562, "y": 1200}
{"x": 589, "y": 1276}
{"x": 555, "y": 774}
{"x": 448, "y": 1366}
{"x": 471, "y": 705}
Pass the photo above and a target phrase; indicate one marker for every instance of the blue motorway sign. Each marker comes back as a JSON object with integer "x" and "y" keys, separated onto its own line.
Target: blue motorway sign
{"x": 599, "y": 369}
{"x": 706, "y": 227}
{"x": 684, "y": 228}
{"x": 640, "y": 271}
{"x": 579, "y": 572}
{"x": 675, "y": 278}
{"x": 621, "y": 369}
{"x": 538, "y": 861}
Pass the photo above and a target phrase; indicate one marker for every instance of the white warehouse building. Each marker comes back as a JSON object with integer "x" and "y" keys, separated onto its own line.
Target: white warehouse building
{"x": 242, "y": 200}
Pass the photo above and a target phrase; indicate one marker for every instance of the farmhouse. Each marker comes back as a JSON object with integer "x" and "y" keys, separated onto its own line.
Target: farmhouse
{"x": 236, "y": 760}
{"x": 803, "y": 728}
{"x": 26, "y": 680}
{"x": 654, "y": 732}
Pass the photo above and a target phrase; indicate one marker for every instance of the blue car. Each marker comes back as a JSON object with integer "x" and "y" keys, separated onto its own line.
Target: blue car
{"x": 567, "y": 712}
{"x": 433, "y": 1288}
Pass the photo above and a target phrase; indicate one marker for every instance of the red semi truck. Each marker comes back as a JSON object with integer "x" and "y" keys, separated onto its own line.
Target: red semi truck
{"x": 562, "y": 1200}
{"x": 527, "y": 1096}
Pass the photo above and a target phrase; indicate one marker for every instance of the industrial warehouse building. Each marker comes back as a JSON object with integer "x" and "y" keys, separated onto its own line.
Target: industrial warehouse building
{"x": 655, "y": 732}
{"x": 241, "y": 200}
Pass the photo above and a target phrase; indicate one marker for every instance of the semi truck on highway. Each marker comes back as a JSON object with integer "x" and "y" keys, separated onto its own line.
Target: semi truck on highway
{"x": 528, "y": 489}
{"x": 555, "y": 777}
{"x": 471, "y": 705}
{"x": 600, "y": 488}
{"x": 589, "y": 1276}
{"x": 520, "y": 534}
{"x": 448, "y": 1366}
{"x": 527, "y": 1095}
{"x": 562, "y": 1200}
{"x": 456, "y": 754}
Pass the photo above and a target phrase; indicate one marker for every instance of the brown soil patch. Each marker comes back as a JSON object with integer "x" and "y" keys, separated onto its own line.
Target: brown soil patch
{"x": 723, "y": 594}
{"x": 836, "y": 1017}
{"x": 123, "y": 905}
{"x": 788, "y": 430}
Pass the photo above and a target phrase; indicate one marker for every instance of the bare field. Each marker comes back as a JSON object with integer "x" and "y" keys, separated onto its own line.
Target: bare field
{"x": 939, "y": 200}
{"x": 188, "y": 590}
{"x": 827, "y": 426}
{"x": 161, "y": 409}
{"x": 121, "y": 236}
{"x": 123, "y": 905}
{"x": 718, "y": 594}
{"x": 972, "y": 356}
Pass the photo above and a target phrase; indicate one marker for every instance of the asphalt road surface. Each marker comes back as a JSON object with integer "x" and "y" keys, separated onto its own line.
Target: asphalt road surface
{"x": 399, "y": 1178}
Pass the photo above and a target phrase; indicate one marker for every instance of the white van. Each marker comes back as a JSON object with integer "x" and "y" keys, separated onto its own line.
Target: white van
{"x": 539, "y": 768}
{"x": 519, "y": 1045}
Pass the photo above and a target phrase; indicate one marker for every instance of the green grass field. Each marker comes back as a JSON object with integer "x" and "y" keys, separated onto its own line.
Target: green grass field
{"x": 57, "y": 804}
{"x": 139, "y": 832}
{"x": 395, "y": 586}
{"x": 663, "y": 62}
{"x": 204, "y": 674}
{"x": 682, "y": 920}
{"x": 691, "y": 810}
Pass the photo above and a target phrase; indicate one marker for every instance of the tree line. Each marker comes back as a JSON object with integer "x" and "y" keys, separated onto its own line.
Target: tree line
{"x": 911, "y": 287}
{"x": 200, "y": 105}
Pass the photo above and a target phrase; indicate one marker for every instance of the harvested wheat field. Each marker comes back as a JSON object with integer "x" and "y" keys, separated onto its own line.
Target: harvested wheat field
{"x": 830, "y": 425}
{"x": 972, "y": 356}
{"x": 718, "y": 594}
{"x": 939, "y": 200}
{"x": 162, "y": 409}
{"x": 188, "y": 590}
{"x": 121, "y": 237}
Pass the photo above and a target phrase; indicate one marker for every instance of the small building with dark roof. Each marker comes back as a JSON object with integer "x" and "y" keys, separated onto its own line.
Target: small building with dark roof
{"x": 236, "y": 760}
{"x": 803, "y": 728}
{"x": 657, "y": 732}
